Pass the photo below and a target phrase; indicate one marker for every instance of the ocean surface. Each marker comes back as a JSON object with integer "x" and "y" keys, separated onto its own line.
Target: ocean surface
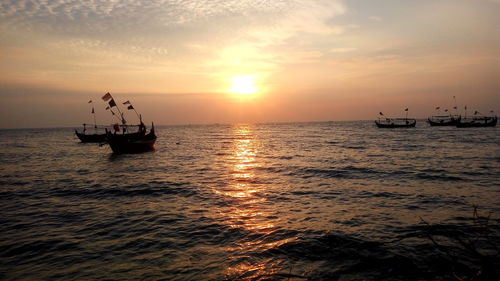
{"x": 293, "y": 201}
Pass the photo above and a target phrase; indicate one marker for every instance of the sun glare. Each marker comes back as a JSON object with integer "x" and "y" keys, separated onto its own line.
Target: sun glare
{"x": 243, "y": 85}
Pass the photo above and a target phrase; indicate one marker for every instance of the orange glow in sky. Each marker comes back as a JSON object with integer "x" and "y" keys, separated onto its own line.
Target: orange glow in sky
{"x": 185, "y": 62}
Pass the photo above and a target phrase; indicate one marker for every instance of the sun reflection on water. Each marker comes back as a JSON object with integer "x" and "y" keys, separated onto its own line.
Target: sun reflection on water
{"x": 246, "y": 205}
{"x": 243, "y": 189}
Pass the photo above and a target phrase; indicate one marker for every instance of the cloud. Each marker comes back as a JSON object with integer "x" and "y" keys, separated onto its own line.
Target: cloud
{"x": 207, "y": 39}
{"x": 375, "y": 18}
{"x": 102, "y": 15}
{"x": 342, "y": 50}
{"x": 173, "y": 26}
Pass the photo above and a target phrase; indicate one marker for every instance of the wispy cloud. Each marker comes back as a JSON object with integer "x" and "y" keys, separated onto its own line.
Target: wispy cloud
{"x": 176, "y": 27}
{"x": 342, "y": 50}
{"x": 157, "y": 16}
{"x": 375, "y": 18}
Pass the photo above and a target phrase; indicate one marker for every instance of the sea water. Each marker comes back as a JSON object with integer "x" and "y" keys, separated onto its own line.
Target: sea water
{"x": 294, "y": 201}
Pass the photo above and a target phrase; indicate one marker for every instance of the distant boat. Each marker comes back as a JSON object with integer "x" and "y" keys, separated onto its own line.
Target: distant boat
{"x": 132, "y": 143}
{"x": 482, "y": 121}
{"x": 443, "y": 120}
{"x": 396, "y": 122}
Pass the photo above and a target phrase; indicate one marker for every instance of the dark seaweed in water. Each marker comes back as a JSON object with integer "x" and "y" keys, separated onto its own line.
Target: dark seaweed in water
{"x": 311, "y": 201}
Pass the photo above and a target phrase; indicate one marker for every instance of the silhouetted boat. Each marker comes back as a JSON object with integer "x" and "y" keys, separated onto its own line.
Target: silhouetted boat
{"x": 442, "y": 120}
{"x": 132, "y": 143}
{"x": 483, "y": 121}
{"x": 97, "y": 138}
{"x": 88, "y": 138}
{"x": 101, "y": 138}
{"x": 396, "y": 122}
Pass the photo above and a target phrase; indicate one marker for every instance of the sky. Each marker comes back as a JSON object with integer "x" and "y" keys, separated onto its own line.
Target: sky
{"x": 300, "y": 60}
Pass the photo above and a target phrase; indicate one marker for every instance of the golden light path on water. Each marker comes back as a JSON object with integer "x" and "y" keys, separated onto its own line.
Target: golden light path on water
{"x": 246, "y": 208}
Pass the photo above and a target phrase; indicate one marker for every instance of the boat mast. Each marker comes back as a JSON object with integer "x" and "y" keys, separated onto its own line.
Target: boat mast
{"x": 93, "y": 114}
{"x": 95, "y": 122}
{"x": 130, "y": 106}
{"x": 108, "y": 97}
{"x": 455, "y": 107}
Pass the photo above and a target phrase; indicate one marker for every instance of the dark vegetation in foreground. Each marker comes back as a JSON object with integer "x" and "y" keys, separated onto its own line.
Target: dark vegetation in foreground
{"x": 470, "y": 252}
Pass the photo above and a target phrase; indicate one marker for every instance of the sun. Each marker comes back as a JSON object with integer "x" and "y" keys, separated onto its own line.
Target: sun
{"x": 243, "y": 85}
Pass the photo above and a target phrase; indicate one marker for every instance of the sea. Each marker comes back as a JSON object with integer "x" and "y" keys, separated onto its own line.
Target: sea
{"x": 284, "y": 201}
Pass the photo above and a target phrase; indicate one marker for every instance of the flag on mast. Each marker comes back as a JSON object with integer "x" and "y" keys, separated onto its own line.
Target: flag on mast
{"x": 381, "y": 113}
{"x": 90, "y": 101}
{"x": 93, "y": 110}
{"x": 107, "y": 97}
{"x": 127, "y": 102}
{"x": 130, "y": 107}
{"x": 437, "y": 108}
{"x": 112, "y": 103}
{"x": 406, "y": 109}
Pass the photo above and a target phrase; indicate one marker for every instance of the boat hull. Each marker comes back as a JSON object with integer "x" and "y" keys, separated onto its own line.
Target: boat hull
{"x": 407, "y": 124}
{"x": 478, "y": 122}
{"x": 450, "y": 122}
{"x": 94, "y": 138}
{"x": 126, "y": 143}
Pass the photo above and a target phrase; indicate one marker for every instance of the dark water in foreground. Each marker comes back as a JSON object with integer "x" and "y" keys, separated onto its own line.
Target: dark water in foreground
{"x": 310, "y": 201}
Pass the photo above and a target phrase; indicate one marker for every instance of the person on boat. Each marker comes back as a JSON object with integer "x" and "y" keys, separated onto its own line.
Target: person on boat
{"x": 142, "y": 128}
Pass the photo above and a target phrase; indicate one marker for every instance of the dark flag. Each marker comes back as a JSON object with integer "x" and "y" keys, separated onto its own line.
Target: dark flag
{"x": 127, "y": 102}
{"x": 93, "y": 110}
{"x": 90, "y": 101}
{"x": 465, "y": 107}
{"x": 454, "y": 107}
{"x": 437, "y": 108}
{"x": 381, "y": 113}
{"x": 446, "y": 110}
{"x": 130, "y": 107}
{"x": 475, "y": 112}
{"x": 107, "y": 107}
{"x": 406, "y": 109}
{"x": 107, "y": 97}
{"x": 112, "y": 103}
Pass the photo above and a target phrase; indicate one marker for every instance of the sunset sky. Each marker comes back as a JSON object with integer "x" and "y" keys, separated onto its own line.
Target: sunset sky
{"x": 224, "y": 61}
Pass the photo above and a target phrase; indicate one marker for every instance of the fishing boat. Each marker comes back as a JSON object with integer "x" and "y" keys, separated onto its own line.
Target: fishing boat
{"x": 477, "y": 121}
{"x": 386, "y": 122}
{"x": 101, "y": 137}
{"x": 396, "y": 122}
{"x": 133, "y": 142}
{"x": 90, "y": 138}
{"x": 442, "y": 120}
